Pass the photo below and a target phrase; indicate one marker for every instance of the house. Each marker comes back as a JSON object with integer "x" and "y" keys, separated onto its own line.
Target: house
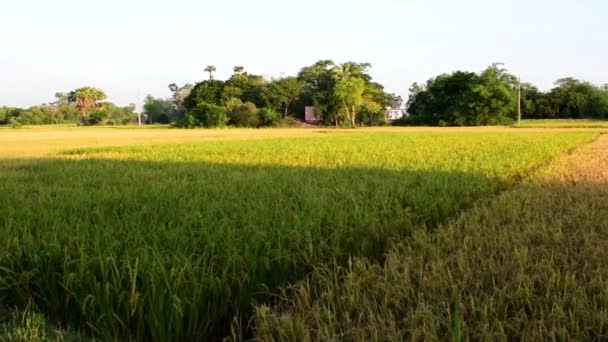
{"x": 309, "y": 116}
{"x": 394, "y": 113}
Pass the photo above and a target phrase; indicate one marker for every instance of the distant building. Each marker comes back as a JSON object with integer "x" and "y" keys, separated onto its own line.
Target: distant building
{"x": 394, "y": 113}
{"x": 309, "y": 115}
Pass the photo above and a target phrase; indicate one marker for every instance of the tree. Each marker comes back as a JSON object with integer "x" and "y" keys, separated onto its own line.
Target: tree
{"x": 210, "y": 69}
{"x": 245, "y": 87}
{"x": 349, "y": 92}
{"x": 268, "y": 117}
{"x": 231, "y": 92}
{"x": 494, "y": 97}
{"x": 244, "y": 115}
{"x": 87, "y": 98}
{"x": 286, "y": 90}
{"x": 9, "y": 113}
{"x": 238, "y": 70}
{"x": 535, "y": 103}
{"x": 159, "y": 110}
{"x": 115, "y": 115}
{"x": 464, "y": 98}
{"x": 179, "y": 96}
{"x": 351, "y": 69}
{"x": 207, "y": 115}
{"x": 207, "y": 92}
{"x": 319, "y": 83}
{"x": 61, "y": 98}
{"x": 572, "y": 98}
{"x": 375, "y": 101}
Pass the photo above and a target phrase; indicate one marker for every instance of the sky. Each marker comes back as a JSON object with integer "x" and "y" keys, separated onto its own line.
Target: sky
{"x": 131, "y": 48}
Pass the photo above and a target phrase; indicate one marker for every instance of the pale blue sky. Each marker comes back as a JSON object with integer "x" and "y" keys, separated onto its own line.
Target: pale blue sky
{"x": 128, "y": 47}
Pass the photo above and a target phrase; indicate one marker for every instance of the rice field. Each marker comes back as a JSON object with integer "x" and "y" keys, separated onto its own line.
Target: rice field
{"x": 563, "y": 123}
{"x": 528, "y": 264}
{"x": 153, "y": 235}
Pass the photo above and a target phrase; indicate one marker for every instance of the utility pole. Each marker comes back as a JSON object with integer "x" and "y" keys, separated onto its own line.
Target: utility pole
{"x": 138, "y": 109}
{"x": 518, "y": 101}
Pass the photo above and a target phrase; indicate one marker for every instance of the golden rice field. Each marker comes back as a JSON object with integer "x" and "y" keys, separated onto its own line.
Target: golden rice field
{"x": 289, "y": 234}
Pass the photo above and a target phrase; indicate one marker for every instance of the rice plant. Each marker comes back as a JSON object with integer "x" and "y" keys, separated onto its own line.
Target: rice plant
{"x": 176, "y": 241}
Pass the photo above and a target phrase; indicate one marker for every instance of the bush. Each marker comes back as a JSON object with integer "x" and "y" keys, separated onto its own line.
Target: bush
{"x": 15, "y": 123}
{"x": 207, "y": 115}
{"x": 95, "y": 118}
{"x": 269, "y": 117}
{"x": 244, "y": 115}
{"x": 288, "y": 121}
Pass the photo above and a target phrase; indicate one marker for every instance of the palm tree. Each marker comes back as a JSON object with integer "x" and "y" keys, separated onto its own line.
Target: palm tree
{"x": 238, "y": 70}
{"x": 341, "y": 71}
{"x": 349, "y": 69}
{"x": 87, "y": 98}
{"x": 210, "y": 69}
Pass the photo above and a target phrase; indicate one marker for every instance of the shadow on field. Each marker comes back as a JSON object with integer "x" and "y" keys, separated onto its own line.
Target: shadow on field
{"x": 529, "y": 264}
{"x": 178, "y": 251}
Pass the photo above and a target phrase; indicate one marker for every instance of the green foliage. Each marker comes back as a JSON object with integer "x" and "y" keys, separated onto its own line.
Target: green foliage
{"x": 269, "y": 117}
{"x": 288, "y": 121}
{"x": 205, "y": 92}
{"x": 334, "y": 88}
{"x": 110, "y": 114}
{"x": 179, "y": 96}
{"x": 15, "y": 123}
{"x": 243, "y": 93}
{"x": 375, "y": 101}
{"x": 575, "y": 99}
{"x": 44, "y": 114}
{"x": 349, "y": 93}
{"x": 244, "y": 115}
{"x": 226, "y": 222}
{"x": 206, "y": 115}
{"x": 119, "y": 115}
{"x": 161, "y": 111}
{"x": 4, "y": 114}
{"x": 284, "y": 91}
{"x": 87, "y": 99}
{"x": 464, "y": 99}
{"x": 495, "y": 98}
{"x": 27, "y": 326}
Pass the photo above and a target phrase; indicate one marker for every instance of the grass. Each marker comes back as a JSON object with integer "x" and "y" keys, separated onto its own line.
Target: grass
{"x": 563, "y": 123}
{"x": 526, "y": 265}
{"x": 27, "y": 326}
{"x": 174, "y": 241}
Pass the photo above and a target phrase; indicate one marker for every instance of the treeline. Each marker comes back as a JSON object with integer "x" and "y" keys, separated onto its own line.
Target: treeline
{"x": 342, "y": 95}
{"x": 571, "y": 98}
{"x": 491, "y": 97}
{"x": 84, "y": 106}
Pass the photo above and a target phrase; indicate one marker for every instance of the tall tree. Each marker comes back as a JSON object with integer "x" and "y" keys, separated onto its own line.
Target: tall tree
{"x": 179, "y": 95}
{"x": 210, "y": 69}
{"x": 87, "y": 98}
{"x": 238, "y": 70}
{"x": 351, "y": 69}
{"x": 287, "y": 90}
{"x": 349, "y": 93}
{"x": 319, "y": 84}
{"x": 465, "y": 98}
